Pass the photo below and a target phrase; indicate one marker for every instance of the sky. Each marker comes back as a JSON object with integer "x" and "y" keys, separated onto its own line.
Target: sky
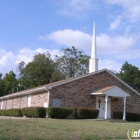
{"x": 29, "y": 27}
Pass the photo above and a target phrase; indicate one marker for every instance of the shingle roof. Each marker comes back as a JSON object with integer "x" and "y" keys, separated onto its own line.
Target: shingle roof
{"x": 61, "y": 82}
{"x": 104, "y": 89}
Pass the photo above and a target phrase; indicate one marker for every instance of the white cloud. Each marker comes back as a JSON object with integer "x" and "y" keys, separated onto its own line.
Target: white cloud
{"x": 27, "y": 54}
{"x": 119, "y": 47}
{"x": 6, "y": 57}
{"x": 109, "y": 64}
{"x": 9, "y": 60}
{"x": 77, "y": 8}
{"x": 116, "y": 23}
{"x": 70, "y": 38}
{"x": 131, "y": 8}
{"x": 114, "y": 45}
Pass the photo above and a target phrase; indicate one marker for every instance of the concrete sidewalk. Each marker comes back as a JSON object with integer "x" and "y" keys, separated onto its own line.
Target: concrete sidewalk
{"x": 9, "y": 117}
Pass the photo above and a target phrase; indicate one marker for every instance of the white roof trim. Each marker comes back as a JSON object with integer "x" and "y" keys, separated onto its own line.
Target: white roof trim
{"x": 113, "y": 92}
{"x": 122, "y": 82}
{"x": 22, "y": 93}
{"x": 99, "y": 93}
{"x": 71, "y": 80}
{"x": 96, "y": 73}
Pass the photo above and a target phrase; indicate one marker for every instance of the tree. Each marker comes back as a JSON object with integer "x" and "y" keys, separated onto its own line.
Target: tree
{"x": 1, "y": 85}
{"x": 10, "y": 83}
{"x": 42, "y": 70}
{"x": 131, "y": 75}
{"x": 72, "y": 62}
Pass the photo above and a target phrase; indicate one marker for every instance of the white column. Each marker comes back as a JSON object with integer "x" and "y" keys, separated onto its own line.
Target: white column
{"x": 29, "y": 100}
{"x": 106, "y": 100}
{"x": 1, "y": 104}
{"x": 124, "y": 108}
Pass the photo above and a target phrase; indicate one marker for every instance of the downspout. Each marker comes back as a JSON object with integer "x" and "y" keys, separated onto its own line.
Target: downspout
{"x": 48, "y": 93}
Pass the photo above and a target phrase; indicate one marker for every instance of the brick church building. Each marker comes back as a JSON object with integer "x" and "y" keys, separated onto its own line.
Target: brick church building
{"x": 99, "y": 89}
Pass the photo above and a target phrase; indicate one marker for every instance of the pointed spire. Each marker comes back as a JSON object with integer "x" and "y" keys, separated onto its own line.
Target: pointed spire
{"x": 93, "y": 52}
{"x": 93, "y": 62}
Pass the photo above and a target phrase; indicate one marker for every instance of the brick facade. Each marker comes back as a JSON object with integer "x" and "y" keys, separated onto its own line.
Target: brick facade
{"x": 37, "y": 100}
{"x": 77, "y": 94}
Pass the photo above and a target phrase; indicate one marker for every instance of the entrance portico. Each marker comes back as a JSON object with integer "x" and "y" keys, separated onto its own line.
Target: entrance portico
{"x": 103, "y": 100}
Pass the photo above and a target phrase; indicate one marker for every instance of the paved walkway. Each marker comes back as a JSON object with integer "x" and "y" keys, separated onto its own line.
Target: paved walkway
{"x": 9, "y": 117}
{"x": 98, "y": 119}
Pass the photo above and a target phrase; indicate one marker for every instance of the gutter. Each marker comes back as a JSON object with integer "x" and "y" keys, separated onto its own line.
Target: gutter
{"x": 48, "y": 90}
{"x": 22, "y": 93}
{"x": 123, "y": 82}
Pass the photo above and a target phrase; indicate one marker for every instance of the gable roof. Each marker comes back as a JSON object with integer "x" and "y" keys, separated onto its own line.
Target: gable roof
{"x": 103, "y": 89}
{"x": 113, "y": 91}
{"x": 61, "y": 82}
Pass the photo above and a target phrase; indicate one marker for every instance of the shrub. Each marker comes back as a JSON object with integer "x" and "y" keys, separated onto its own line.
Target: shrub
{"x": 2, "y": 112}
{"x": 59, "y": 112}
{"x": 129, "y": 116}
{"x": 86, "y": 113}
{"x": 35, "y": 112}
{"x": 11, "y": 112}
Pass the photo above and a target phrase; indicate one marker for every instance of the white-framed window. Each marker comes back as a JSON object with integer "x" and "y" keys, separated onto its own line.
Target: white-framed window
{"x": 29, "y": 101}
{"x": 56, "y": 103}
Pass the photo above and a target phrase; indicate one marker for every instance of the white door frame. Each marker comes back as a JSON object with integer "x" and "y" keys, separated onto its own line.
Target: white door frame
{"x": 105, "y": 105}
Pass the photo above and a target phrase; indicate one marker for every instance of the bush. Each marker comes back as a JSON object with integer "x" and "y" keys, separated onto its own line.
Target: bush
{"x": 35, "y": 112}
{"x": 129, "y": 116}
{"x": 2, "y": 112}
{"x": 11, "y": 112}
{"x": 59, "y": 112}
{"x": 86, "y": 113}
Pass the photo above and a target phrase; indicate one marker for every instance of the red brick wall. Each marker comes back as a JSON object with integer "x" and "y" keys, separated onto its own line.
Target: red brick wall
{"x": 16, "y": 102}
{"x": 76, "y": 93}
{"x": 9, "y": 104}
{"x": 39, "y": 99}
{"x": 23, "y": 101}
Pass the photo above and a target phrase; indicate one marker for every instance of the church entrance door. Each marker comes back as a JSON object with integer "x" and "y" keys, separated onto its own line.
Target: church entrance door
{"x": 100, "y": 105}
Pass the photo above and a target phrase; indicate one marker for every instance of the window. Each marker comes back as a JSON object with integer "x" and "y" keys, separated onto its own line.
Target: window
{"x": 56, "y": 103}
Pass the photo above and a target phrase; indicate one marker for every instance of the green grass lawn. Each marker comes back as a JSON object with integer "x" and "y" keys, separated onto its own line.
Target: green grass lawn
{"x": 53, "y": 129}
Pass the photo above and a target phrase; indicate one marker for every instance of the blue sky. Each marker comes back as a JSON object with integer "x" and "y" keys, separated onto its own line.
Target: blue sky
{"x": 28, "y": 27}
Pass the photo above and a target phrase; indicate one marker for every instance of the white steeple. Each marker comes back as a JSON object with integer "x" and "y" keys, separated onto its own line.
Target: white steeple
{"x": 93, "y": 62}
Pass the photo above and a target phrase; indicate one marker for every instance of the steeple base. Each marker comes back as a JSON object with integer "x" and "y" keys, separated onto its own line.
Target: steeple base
{"x": 93, "y": 65}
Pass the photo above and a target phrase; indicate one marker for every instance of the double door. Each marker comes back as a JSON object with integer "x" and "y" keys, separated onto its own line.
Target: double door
{"x": 100, "y": 105}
